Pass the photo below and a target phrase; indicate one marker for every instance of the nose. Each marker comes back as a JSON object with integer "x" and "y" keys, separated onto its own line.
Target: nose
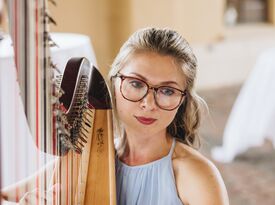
{"x": 148, "y": 102}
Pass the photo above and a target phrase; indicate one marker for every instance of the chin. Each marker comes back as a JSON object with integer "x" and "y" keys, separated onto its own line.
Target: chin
{"x": 147, "y": 130}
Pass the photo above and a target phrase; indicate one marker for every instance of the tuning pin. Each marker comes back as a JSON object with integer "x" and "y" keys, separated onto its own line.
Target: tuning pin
{"x": 86, "y": 120}
{"x": 57, "y": 92}
{"x": 79, "y": 143}
{"x": 62, "y": 108}
{"x": 54, "y": 66}
{"x": 85, "y": 129}
{"x": 65, "y": 140}
{"x": 64, "y": 130}
{"x": 84, "y": 134}
{"x": 79, "y": 95}
{"x": 51, "y": 20}
{"x": 54, "y": 100}
{"x": 89, "y": 113}
{"x": 53, "y": 2}
{"x": 82, "y": 139}
{"x": 53, "y": 44}
{"x": 50, "y": 40}
{"x": 58, "y": 77}
{"x": 57, "y": 112}
{"x": 62, "y": 92}
{"x": 88, "y": 124}
{"x": 77, "y": 104}
{"x": 83, "y": 83}
{"x": 77, "y": 149}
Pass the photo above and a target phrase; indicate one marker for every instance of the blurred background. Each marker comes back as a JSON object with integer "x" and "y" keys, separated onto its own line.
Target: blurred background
{"x": 234, "y": 41}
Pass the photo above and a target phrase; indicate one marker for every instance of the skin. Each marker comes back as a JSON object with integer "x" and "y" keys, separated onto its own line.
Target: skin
{"x": 195, "y": 175}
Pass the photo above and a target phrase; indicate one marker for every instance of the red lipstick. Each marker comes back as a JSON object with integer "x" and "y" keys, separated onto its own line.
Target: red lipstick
{"x": 145, "y": 120}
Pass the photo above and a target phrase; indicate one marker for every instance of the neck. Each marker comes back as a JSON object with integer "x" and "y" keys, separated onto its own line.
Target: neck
{"x": 145, "y": 149}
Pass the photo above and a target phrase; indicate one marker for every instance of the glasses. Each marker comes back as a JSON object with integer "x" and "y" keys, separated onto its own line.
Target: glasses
{"x": 134, "y": 89}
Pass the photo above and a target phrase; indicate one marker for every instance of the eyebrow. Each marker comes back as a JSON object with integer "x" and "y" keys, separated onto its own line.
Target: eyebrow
{"x": 162, "y": 83}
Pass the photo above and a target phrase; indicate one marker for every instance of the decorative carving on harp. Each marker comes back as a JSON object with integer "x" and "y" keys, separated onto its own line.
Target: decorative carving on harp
{"x": 69, "y": 117}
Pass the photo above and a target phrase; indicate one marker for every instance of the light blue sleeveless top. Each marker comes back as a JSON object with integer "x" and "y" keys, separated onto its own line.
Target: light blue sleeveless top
{"x": 149, "y": 184}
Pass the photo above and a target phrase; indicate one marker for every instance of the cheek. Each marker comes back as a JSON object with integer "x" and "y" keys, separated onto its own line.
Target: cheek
{"x": 169, "y": 117}
{"x": 123, "y": 106}
{"x": 119, "y": 98}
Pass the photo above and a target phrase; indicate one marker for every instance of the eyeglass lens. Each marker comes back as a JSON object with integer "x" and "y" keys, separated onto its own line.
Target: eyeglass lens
{"x": 135, "y": 90}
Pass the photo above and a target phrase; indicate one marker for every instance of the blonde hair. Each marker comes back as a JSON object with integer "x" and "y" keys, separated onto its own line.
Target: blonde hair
{"x": 164, "y": 42}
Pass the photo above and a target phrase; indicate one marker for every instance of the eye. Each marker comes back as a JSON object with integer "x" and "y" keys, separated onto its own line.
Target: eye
{"x": 167, "y": 91}
{"x": 136, "y": 83}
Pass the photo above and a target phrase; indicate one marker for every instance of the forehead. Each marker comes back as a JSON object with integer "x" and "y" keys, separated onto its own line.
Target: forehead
{"x": 156, "y": 68}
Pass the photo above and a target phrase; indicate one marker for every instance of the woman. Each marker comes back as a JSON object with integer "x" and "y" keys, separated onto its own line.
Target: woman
{"x": 157, "y": 115}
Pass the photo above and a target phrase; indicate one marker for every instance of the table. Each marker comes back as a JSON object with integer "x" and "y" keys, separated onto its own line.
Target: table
{"x": 252, "y": 118}
{"x": 19, "y": 155}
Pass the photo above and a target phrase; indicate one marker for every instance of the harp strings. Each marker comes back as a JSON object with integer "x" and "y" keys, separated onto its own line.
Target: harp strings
{"x": 39, "y": 92}
{"x": 56, "y": 130}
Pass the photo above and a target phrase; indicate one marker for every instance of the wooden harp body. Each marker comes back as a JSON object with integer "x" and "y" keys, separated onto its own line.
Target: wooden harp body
{"x": 87, "y": 171}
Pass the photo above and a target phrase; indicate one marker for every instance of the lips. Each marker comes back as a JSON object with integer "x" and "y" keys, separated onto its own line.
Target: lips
{"x": 145, "y": 120}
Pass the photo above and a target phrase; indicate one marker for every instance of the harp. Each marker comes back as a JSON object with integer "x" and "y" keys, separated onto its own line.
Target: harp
{"x": 69, "y": 117}
{"x": 91, "y": 160}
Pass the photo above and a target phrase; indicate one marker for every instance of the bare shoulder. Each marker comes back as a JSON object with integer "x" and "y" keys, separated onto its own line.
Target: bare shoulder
{"x": 195, "y": 176}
